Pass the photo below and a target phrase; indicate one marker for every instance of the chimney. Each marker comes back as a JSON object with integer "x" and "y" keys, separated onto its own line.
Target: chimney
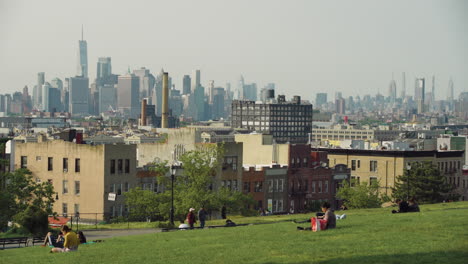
{"x": 165, "y": 103}
{"x": 143, "y": 112}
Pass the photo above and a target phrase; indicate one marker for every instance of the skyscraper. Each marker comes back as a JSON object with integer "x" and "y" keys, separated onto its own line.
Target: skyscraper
{"x": 321, "y": 99}
{"x": 392, "y": 90}
{"x": 240, "y": 88}
{"x": 82, "y": 57}
{"x": 147, "y": 81}
{"x": 210, "y": 91}
{"x": 450, "y": 90}
{"x": 104, "y": 70}
{"x": 403, "y": 85}
{"x": 78, "y": 95}
{"x": 420, "y": 94}
{"x": 195, "y": 80}
{"x": 186, "y": 84}
{"x": 37, "y": 92}
{"x": 107, "y": 97}
{"x": 128, "y": 94}
{"x": 45, "y": 97}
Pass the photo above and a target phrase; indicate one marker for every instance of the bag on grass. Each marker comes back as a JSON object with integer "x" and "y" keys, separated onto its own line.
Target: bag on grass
{"x": 318, "y": 224}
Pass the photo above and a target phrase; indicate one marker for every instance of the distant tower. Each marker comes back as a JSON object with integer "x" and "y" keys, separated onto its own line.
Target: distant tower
{"x": 240, "y": 88}
{"x": 186, "y": 84}
{"x": 450, "y": 90}
{"x": 392, "y": 90}
{"x": 45, "y": 97}
{"x": 403, "y": 85}
{"x": 210, "y": 91}
{"x": 104, "y": 70}
{"x": 433, "y": 88}
{"x": 82, "y": 57}
{"x": 420, "y": 94}
{"x": 195, "y": 80}
{"x": 38, "y": 92}
{"x": 165, "y": 101}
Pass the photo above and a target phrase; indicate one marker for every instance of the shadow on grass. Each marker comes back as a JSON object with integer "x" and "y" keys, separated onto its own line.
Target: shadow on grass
{"x": 422, "y": 257}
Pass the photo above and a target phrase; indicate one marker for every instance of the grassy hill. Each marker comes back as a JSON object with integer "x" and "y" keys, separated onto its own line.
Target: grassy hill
{"x": 438, "y": 234}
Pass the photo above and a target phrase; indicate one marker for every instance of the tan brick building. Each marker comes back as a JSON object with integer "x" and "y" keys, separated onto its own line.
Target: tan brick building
{"x": 82, "y": 175}
{"x": 385, "y": 166}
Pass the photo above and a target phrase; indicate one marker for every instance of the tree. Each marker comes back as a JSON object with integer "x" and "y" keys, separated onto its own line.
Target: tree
{"x": 194, "y": 187}
{"x": 25, "y": 201}
{"x": 425, "y": 183}
{"x": 143, "y": 204}
{"x": 360, "y": 195}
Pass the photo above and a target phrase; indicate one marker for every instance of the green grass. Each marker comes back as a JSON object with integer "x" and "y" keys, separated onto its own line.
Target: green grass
{"x": 439, "y": 234}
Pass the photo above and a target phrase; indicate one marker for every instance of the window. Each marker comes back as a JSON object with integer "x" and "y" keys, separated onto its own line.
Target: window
{"x": 50, "y": 164}
{"x": 353, "y": 165}
{"x": 64, "y": 209}
{"x": 24, "y": 162}
{"x": 313, "y": 187}
{"x": 373, "y": 180}
{"x": 325, "y": 188}
{"x": 77, "y": 209}
{"x": 246, "y": 186}
{"x": 234, "y": 185}
{"x": 119, "y": 166}
{"x": 127, "y": 166}
{"x": 112, "y": 167}
{"x": 77, "y": 187}
{"x": 270, "y": 186}
{"x": 119, "y": 188}
{"x": 112, "y": 188}
{"x": 127, "y": 187}
{"x": 258, "y": 186}
{"x": 65, "y": 164}
{"x": 320, "y": 186}
{"x": 64, "y": 186}
{"x": 359, "y": 164}
{"x": 38, "y": 158}
{"x": 280, "y": 206}
{"x": 77, "y": 165}
{"x": 373, "y": 165}
{"x": 306, "y": 186}
{"x": 281, "y": 185}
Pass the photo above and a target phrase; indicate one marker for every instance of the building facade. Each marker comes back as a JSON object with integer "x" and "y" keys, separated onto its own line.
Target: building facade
{"x": 286, "y": 121}
{"x": 82, "y": 175}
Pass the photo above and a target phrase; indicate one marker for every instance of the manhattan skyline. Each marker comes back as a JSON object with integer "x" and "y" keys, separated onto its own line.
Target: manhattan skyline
{"x": 304, "y": 47}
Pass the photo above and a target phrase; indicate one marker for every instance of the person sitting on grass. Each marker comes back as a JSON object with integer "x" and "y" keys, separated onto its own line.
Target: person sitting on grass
{"x": 71, "y": 241}
{"x": 413, "y": 205}
{"x": 52, "y": 240}
{"x": 327, "y": 215}
{"x": 230, "y": 223}
{"x": 183, "y": 225}
{"x": 81, "y": 237}
{"x": 402, "y": 206}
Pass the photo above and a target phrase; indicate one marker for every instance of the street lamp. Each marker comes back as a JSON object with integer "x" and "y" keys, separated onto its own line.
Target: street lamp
{"x": 408, "y": 168}
{"x": 173, "y": 172}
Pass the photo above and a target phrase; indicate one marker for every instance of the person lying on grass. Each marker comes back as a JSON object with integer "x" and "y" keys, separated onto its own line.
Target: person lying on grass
{"x": 327, "y": 215}
{"x": 71, "y": 241}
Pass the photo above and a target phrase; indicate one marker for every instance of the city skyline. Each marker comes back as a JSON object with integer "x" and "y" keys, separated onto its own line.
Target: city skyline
{"x": 342, "y": 53}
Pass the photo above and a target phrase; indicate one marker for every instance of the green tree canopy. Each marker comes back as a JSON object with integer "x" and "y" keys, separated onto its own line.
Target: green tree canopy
{"x": 425, "y": 183}
{"x": 360, "y": 195}
{"x": 20, "y": 194}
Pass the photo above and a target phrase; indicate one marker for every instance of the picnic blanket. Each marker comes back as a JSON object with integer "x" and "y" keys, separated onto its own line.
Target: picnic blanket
{"x": 58, "y": 221}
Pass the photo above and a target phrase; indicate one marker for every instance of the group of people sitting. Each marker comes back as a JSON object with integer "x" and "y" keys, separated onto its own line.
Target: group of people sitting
{"x": 406, "y": 206}
{"x": 65, "y": 241}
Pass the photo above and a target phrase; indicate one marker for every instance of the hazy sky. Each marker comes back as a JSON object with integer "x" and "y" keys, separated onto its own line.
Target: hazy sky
{"x": 304, "y": 47}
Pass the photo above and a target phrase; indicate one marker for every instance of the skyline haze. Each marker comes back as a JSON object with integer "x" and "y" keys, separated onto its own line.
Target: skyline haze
{"x": 304, "y": 47}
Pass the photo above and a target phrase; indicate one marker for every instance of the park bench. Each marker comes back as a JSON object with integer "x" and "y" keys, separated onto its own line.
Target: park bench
{"x": 13, "y": 241}
{"x": 36, "y": 240}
